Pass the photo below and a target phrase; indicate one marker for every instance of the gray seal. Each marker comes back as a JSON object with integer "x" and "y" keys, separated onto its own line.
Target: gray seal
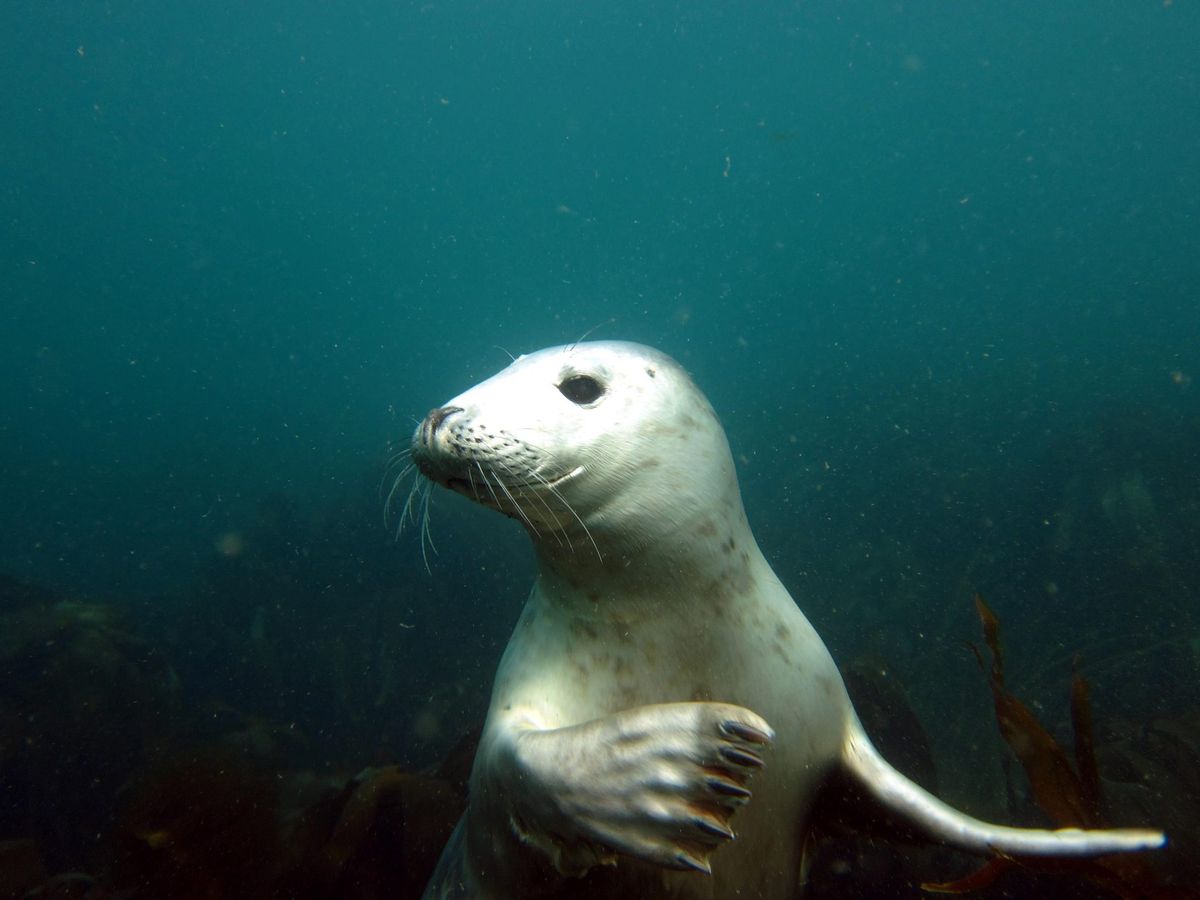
{"x": 659, "y": 667}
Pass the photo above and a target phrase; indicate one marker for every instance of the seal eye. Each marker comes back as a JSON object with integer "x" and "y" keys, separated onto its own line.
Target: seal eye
{"x": 581, "y": 389}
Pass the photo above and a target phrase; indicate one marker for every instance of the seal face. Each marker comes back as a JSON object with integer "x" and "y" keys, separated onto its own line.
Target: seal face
{"x": 659, "y": 668}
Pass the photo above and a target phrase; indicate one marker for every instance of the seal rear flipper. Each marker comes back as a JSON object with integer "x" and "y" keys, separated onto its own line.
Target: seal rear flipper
{"x": 450, "y": 879}
{"x": 919, "y": 808}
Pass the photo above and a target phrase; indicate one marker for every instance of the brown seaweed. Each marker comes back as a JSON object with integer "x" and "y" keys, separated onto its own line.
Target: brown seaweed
{"x": 1070, "y": 795}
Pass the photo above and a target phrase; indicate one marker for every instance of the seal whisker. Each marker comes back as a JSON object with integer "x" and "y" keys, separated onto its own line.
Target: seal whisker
{"x": 389, "y": 469}
{"x": 561, "y": 530}
{"x": 471, "y": 482}
{"x": 517, "y": 506}
{"x": 492, "y": 490}
{"x": 563, "y": 500}
{"x": 426, "y": 536}
{"x": 540, "y": 479}
{"x": 395, "y": 460}
{"x": 583, "y": 337}
{"x": 401, "y": 459}
{"x": 426, "y": 494}
{"x": 387, "y": 504}
{"x": 408, "y": 513}
{"x": 563, "y": 536}
{"x": 403, "y": 453}
{"x": 546, "y": 483}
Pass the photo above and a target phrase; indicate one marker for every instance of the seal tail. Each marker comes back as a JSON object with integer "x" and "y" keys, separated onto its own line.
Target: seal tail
{"x": 914, "y": 804}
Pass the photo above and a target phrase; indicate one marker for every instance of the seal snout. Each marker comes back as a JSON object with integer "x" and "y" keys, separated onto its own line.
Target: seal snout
{"x": 432, "y": 449}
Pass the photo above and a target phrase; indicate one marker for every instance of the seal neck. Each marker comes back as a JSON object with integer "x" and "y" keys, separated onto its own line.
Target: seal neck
{"x": 711, "y": 552}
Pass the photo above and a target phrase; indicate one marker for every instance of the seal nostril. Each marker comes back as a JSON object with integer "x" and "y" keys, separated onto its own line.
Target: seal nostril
{"x": 436, "y": 417}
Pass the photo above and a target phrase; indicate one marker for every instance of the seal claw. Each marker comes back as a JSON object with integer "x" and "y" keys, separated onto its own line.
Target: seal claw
{"x": 695, "y": 863}
{"x": 734, "y": 728}
{"x": 727, "y": 788}
{"x": 713, "y": 827}
{"x": 742, "y": 757}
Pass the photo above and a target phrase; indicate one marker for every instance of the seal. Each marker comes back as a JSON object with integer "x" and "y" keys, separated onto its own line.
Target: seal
{"x": 658, "y": 664}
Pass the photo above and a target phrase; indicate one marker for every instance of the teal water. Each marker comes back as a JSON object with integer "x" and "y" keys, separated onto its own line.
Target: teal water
{"x": 245, "y": 248}
{"x": 936, "y": 265}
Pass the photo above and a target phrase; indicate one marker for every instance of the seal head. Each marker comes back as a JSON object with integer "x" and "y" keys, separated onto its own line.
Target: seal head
{"x": 601, "y": 449}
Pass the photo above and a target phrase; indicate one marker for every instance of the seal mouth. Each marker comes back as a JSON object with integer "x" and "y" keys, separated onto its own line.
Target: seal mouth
{"x": 472, "y": 488}
{"x": 555, "y": 482}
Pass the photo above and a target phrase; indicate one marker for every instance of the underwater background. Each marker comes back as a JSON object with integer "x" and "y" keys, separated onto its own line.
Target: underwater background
{"x": 936, "y": 265}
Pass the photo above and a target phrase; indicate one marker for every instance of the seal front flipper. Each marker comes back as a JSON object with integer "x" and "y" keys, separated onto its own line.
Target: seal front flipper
{"x": 918, "y": 807}
{"x": 659, "y": 783}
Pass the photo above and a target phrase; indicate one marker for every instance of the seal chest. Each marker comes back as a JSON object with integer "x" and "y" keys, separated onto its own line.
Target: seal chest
{"x": 659, "y": 669}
